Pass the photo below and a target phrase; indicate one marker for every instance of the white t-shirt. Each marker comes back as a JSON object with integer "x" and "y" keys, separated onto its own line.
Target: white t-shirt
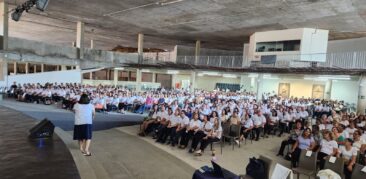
{"x": 328, "y": 146}
{"x": 83, "y": 113}
{"x": 194, "y": 123}
{"x": 174, "y": 120}
{"x": 347, "y": 154}
{"x": 350, "y": 132}
{"x": 206, "y": 126}
{"x": 184, "y": 121}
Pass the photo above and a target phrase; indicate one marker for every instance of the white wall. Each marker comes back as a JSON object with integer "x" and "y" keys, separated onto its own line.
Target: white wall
{"x": 70, "y": 76}
{"x": 314, "y": 42}
{"x": 345, "y": 90}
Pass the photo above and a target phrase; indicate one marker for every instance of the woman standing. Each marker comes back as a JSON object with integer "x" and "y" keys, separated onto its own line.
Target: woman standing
{"x": 84, "y": 114}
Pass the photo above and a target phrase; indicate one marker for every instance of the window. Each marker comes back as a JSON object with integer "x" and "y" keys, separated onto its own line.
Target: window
{"x": 146, "y": 77}
{"x": 50, "y": 68}
{"x": 123, "y": 75}
{"x": 289, "y": 45}
{"x": 86, "y": 76}
{"x": 132, "y": 76}
{"x": 21, "y": 68}
{"x": 165, "y": 80}
{"x": 10, "y": 68}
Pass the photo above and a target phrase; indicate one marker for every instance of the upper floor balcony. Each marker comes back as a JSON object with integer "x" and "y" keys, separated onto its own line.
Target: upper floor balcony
{"x": 339, "y": 61}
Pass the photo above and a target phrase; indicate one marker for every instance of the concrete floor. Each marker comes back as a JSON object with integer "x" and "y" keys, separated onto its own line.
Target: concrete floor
{"x": 119, "y": 153}
{"x": 65, "y": 119}
{"x": 21, "y": 157}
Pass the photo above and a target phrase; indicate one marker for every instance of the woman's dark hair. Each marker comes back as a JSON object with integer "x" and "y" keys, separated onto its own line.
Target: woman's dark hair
{"x": 349, "y": 140}
{"x": 84, "y": 99}
{"x": 217, "y": 115}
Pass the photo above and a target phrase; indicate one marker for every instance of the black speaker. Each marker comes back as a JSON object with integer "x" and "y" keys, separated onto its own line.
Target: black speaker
{"x": 43, "y": 129}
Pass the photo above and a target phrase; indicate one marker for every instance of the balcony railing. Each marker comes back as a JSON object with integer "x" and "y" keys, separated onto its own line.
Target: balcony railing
{"x": 341, "y": 60}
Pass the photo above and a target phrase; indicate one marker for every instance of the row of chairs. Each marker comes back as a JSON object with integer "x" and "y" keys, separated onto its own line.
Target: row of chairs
{"x": 308, "y": 166}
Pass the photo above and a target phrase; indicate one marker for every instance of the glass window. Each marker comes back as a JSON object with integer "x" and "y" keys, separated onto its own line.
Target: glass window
{"x": 146, "y": 77}
{"x": 123, "y": 75}
{"x": 132, "y": 76}
{"x": 86, "y": 76}
{"x": 289, "y": 45}
{"x": 20, "y": 68}
{"x": 50, "y": 68}
{"x": 165, "y": 80}
{"x": 100, "y": 75}
{"x": 10, "y": 68}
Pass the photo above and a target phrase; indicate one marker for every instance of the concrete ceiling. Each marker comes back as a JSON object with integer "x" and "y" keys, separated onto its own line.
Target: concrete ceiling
{"x": 225, "y": 24}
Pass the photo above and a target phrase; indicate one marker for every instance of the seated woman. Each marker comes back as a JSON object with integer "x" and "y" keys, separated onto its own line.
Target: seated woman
{"x": 359, "y": 143}
{"x": 328, "y": 147}
{"x": 246, "y": 127}
{"x": 193, "y": 127}
{"x": 184, "y": 123}
{"x": 174, "y": 124}
{"x": 303, "y": 142}
{"x": 203, "y": 131}
{"x": 213, "y": 136}
{"x": 271, "y": 123}
{"x": 164, "y": 127}
{"x": 151, "y": 119}
{"x": 349, "y": 154}
{"x": 337, "y": 134}
{"x": 294, "y": 134}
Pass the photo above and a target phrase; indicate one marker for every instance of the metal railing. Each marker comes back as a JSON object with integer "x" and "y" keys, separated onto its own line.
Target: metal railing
{"x": 340, "y": 60}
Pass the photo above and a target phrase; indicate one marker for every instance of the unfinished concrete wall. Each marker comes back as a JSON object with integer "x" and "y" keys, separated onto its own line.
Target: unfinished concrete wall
{"x": 349, "y": 45}
{"x": 190, "y": 51}
{"x": 39, "y": 52}
{"x": 40, "y": 48}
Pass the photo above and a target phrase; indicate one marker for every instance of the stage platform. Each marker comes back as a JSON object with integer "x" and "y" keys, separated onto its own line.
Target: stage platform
{"x": 24, "y": 158}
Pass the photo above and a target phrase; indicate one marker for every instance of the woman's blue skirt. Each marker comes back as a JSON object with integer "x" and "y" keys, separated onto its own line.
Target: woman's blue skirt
{"x": 83, "y": 132}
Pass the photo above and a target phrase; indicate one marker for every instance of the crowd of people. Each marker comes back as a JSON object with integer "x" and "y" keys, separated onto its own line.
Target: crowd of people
{"x": 194, "y": 120}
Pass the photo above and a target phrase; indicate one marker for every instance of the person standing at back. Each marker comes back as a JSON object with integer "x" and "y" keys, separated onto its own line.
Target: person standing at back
{"x": 84, "y": 114}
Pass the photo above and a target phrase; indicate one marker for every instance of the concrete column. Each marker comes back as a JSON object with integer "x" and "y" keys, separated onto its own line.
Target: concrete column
{"x": 328, "y": 89}
{"x": 154, "y": 77}
{"x": 91, "y": 75}
{"x": 92, "y": 44}
{"x": 174, "y": 80}
{"x": 259, "y": 87}
{"x": 5, "y": 71}
{"x": 361, "y": 104}
{"x": 115, "y": 77}
{"x": 193, "y": 81}
{"x": 140, "y": 47}
{"x": 42, "y": 68}
{"x": 35, "y": 69}
{"x": 15, "y": 68}
{"x": 138, "y": 80}
{"x": 4, "y": 25}
{"x": 77, "y": 67}
{"x": 26, "y": 68}
{"x": 63, "y": 68}
{"x": 80, "y": 39}
{"x": 197, "y": 51}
